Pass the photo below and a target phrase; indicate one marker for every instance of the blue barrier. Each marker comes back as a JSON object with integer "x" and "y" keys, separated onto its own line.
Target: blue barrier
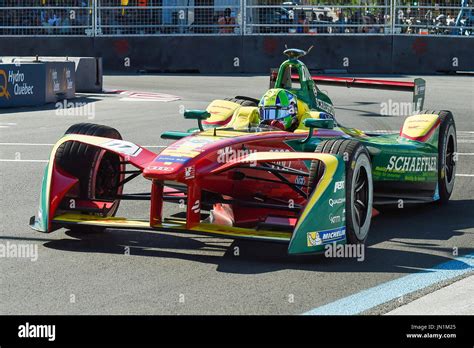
{"x": 22, "y": 85}
{"x": 32, "y": 84}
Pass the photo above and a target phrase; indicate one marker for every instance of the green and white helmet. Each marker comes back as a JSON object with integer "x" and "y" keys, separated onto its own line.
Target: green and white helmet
{"x": 278, "y": 104}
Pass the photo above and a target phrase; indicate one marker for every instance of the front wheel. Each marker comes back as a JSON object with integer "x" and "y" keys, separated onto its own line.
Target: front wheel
{"x": 447, "y": 148}
{"x": 358, "y": 184}
{"x": 99, "y": 172}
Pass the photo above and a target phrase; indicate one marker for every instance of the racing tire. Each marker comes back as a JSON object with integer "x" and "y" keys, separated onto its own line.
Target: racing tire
{"x": 447, "y": 150}
{"x": 358, "y": 184}
{"x": 244, "y": 101}
{"x": 98, "y": 171}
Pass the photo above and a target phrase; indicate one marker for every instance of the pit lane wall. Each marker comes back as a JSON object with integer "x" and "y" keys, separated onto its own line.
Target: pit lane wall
{"x": 357, "y": 54}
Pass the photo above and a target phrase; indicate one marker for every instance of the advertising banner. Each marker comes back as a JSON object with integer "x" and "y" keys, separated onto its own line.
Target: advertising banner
{"x": 22, "y": 84}
{"x": 32, "y": 84}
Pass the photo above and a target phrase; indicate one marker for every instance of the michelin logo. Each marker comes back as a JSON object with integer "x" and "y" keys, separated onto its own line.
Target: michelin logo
{"x": 324, "y": 237}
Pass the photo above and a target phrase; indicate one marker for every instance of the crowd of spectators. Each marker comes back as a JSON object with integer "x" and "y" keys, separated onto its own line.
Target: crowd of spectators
{"x": 145, "y": 17}
{"x": 318, "y": 20}
{"x": 38, "y": 17}
{"x": 324, "y": 20}
{"x": 437, "y": 22}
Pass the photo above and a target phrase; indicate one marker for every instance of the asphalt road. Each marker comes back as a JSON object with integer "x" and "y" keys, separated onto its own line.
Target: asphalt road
{"x": 175, "y": 274}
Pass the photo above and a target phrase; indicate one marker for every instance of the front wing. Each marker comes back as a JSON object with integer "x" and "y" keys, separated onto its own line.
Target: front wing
{"x": 320, "y": 221}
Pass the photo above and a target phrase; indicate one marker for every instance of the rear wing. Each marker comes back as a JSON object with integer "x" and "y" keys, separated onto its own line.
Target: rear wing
{"x": 417, "y": 87}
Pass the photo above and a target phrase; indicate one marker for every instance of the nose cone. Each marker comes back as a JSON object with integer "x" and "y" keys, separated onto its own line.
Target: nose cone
{"x": 177, "y": 159}
{"x": 166, "y": 165}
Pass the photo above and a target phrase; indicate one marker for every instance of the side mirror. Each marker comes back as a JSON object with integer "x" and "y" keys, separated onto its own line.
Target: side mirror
{"x": 312, "y": 123}
{"x": 174, "y": 135}
{"x": 198, "y": 115}
{"x": 319, "y": 123}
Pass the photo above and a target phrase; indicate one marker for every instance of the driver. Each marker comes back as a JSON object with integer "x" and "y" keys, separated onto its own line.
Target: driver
{"x": 279, "y": 108}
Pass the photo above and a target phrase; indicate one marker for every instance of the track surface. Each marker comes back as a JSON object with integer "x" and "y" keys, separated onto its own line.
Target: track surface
{"x": 90, "y": 273}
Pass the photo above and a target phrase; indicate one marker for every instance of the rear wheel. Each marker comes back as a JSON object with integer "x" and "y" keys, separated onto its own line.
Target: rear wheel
{"x": 358, "y": 184}
{"x": 98, "y": 171}
{"x": 447, "y": 149}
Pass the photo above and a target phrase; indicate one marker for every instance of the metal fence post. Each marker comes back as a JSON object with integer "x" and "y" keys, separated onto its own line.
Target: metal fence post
{"x": 243, "y": 13}
{"x": 94, "y": 20}
{"x": 393, "y": 15}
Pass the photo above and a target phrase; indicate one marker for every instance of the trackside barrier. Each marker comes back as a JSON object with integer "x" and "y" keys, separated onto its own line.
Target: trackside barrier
{"x": 35, "y": 83}
{"x": 88, "y": 76}
{"x": 371, "y": 54}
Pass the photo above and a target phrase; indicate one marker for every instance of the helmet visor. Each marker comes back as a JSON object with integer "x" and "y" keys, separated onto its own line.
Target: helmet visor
{"x": 268, "y": 113}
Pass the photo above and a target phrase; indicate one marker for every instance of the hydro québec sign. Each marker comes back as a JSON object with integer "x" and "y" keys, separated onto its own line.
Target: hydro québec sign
{"x": 21, "y": 85}
{"x": 33, "y": 84}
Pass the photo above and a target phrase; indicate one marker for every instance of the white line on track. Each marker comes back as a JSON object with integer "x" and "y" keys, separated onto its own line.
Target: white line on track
{"x": 393, "y": 289}
{"x": 24, "y": 144}
{"x": 32, "y": 161}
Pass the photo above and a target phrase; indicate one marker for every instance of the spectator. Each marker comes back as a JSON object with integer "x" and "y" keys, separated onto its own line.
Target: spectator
{"x": 322, "y": 28}
{"x": 340, "y": 28}
{"x": 451, "y": 22}
{"x": 302, "y": 22}
{"x": 54, "y": 20}
{"x": 226, "y": 22}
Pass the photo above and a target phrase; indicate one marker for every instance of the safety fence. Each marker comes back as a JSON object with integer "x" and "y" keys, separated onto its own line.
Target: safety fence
{"x": 235, "y": 17}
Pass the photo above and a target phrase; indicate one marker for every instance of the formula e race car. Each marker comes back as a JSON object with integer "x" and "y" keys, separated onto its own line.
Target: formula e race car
{"x": 280, "y": 169}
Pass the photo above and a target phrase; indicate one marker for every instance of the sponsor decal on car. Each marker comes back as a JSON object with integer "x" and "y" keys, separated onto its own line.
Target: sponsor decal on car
{"x": 300, "y": 180}
{"x": 338, "y": 185}
{"x": 333, "y": 202}
{"x": 196, "y": 208}
{"x": 325, "y": 106}
{"x": 412, "y": 164}
{"x": 188, "y": 147}
{"x": 171, "y": 159}
{"x": 161, "y": 168}
{"x": 123, "y": 147}
{"x": 335, "y": 218}
{"x": 189, "y": 173}
{"x": 325, "y": 237}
